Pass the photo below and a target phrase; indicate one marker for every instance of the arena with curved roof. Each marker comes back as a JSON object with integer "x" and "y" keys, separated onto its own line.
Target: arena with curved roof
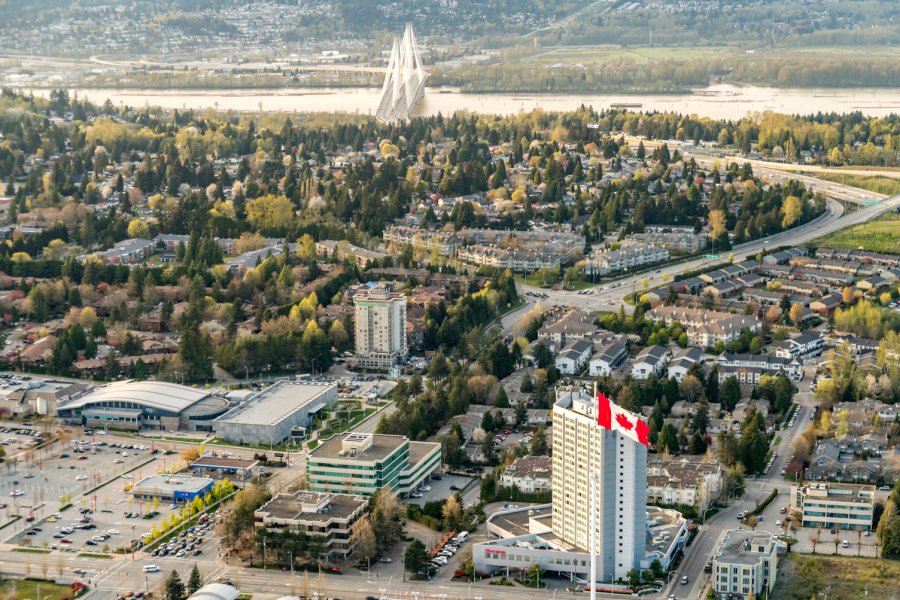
{"x": 142, "y": 405}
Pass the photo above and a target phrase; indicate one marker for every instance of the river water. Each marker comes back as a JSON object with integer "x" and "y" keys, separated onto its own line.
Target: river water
{"x": 717, "y": 101}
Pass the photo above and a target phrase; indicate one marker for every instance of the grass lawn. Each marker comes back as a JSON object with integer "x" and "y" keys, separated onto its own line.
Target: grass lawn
{"x": 27, "y": 588}
{"x": 874, "y": 183}
{"x": 880, "y": 235}
{"x": 93, "y": 555}
{"x": 801, "y": 577}
{"x": 32, "y": 550}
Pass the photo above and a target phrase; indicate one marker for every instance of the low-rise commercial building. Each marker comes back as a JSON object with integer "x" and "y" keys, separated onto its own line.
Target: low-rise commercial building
{"x": 745, "y": 565}
{"x": 834, "y": 505}
{"x": 332, "y": 517}
{"x": 178, "y": 489}
{"x": 361, "y": 463}
{"x": 273, "y": 414}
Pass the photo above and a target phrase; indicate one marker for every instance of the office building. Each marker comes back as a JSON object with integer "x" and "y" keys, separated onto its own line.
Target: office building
{"x": 834, "y": 505}
{"x": 361, "y": 463}
{"x": 746, "y": 563}
{"x": 380, "y": 327}
{"x": 330, "y": 516}
{"x": 273, "y": 414}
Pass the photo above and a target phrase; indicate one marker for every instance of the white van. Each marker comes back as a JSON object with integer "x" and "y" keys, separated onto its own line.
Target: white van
{"x": 151, "y": 569}
{"x": 462, "y": 536}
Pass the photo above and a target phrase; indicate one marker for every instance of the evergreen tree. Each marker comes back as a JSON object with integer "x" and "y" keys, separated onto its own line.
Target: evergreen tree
{"x": 195, "y": 582}
{"x": 174, "y": 588}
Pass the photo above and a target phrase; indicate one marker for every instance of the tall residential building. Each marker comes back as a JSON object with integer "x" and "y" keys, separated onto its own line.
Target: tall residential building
{"x": 380, "y": 327}
{"x": 620, "y": 465}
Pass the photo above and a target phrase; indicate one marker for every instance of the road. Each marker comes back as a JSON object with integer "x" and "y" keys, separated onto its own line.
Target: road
{"x": 608, "y": 296}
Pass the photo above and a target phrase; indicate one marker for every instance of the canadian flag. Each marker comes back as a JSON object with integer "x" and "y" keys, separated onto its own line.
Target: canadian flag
{"x": 616, "y": 418}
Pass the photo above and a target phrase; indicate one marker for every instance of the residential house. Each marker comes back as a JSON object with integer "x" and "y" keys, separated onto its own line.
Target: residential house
{"x": 649, "y": 361}
{"x": 802, "y": 346}
{"x": 564, "y": 328}
{"x": 529, "y": 474}
{"x": 764, "y": 364}
{"x": 128, "y": 252}
{"x": 705, "y": 328}
{"x": 685, "y": 481}
{"x": 826, "y": 305}
{"x": 683, "y": 361}
{"x": 573, "y": 357}
{"x": 608, "y": 359}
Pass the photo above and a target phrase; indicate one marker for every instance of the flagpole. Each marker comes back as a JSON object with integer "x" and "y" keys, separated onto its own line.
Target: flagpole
{"x": 593, "y": 574}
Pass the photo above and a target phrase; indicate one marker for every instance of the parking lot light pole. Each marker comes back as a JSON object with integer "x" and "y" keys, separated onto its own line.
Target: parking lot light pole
{"x": 132, "y": 541}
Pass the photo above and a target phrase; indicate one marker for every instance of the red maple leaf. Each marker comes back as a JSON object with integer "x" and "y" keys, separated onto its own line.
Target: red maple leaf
{"x": 624, "y": 422}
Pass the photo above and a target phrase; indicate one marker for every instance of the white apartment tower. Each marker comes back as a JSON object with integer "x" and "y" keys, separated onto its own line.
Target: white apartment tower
{"x": 582, "y": 448}
{"x": 380, "y": 330}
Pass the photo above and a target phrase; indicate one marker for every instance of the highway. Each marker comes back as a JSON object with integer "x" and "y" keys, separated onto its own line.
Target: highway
{"x": 608, "y": 296}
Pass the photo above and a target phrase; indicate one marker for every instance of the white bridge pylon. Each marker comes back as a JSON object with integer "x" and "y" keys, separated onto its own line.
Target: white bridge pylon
{"x": 404, "y": 81}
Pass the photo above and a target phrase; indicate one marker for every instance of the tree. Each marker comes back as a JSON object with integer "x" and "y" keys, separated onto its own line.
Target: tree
{"x": 452, "y": 513}
{"x": 791, "y": 211}
{"x": 270, "y": 213}
{"x": 730, "y": 393}
{"x": 668, "y": 440}
{"x": 690, "y": 388}
{"x": 796, "y": 313}
{"x": 487, "y": 448}
{"x": 174, "y": 588}
{"x": 521, "y": 414}
{"x": 539, "y": 442}
{"x": 138, "y": 228}
{"x": 195, "y": 581}
{"x": 363, "y": 539}
{"x": 416, "y": 557}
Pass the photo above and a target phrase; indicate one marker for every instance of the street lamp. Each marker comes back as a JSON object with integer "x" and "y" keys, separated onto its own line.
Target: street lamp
{"x": 704, "y": 514}
{"x": 132, "y": 542}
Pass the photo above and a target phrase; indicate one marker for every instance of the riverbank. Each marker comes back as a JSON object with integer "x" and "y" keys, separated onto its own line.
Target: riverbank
{"x": 721, "y": 101}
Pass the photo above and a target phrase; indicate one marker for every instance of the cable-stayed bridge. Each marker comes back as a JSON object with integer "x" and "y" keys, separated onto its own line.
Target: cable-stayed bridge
{"x": 405, "y": 79}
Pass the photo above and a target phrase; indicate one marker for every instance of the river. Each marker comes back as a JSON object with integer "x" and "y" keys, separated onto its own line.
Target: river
{"x": 718, "y": 101}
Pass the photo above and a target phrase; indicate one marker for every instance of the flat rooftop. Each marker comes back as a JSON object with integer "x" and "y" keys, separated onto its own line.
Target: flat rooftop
{"x": 734, "y": 551}
{"x": 278, "y": 402}
{"x": 840, "y": 492}
{"x": 222, "y": 462}
{"x": 169, "y": 484}
{"x": 299, "y": 506}
{"x": 515, "y": 523}
{"x": 382, "y": 447}
{"x": 419, "y": 450}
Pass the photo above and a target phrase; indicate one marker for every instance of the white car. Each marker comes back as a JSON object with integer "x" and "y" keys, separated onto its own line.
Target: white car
{"x": 81, "y": 478}
{"x": 112, "y": 531}
{"x": 425, "y": 488}
{"x": 118, "y": 461}
{"x": 126, "y": 476}
{"x": 16, "y": 493}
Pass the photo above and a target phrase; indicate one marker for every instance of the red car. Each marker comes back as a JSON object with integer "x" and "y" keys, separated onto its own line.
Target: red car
{"x": 82, "y": 457}
{"x": 65, "y": 541}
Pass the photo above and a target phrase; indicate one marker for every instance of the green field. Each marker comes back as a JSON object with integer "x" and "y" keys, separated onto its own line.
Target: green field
{"x": 26, "y": 588}
{"x": 880, "y": 235}
{"x": 874, "y": 183}
{"x": 842, "y": 578}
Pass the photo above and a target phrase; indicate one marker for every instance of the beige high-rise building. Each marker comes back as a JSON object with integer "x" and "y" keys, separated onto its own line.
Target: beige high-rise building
{"x": 620, "y": 465}
{"x": 380, "y": 328}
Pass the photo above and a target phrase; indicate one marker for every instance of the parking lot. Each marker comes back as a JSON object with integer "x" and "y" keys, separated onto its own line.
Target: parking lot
{"x": 824, "y": 542}
{"x": 108, "y": 511}
{"x": 441, "y": 489}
